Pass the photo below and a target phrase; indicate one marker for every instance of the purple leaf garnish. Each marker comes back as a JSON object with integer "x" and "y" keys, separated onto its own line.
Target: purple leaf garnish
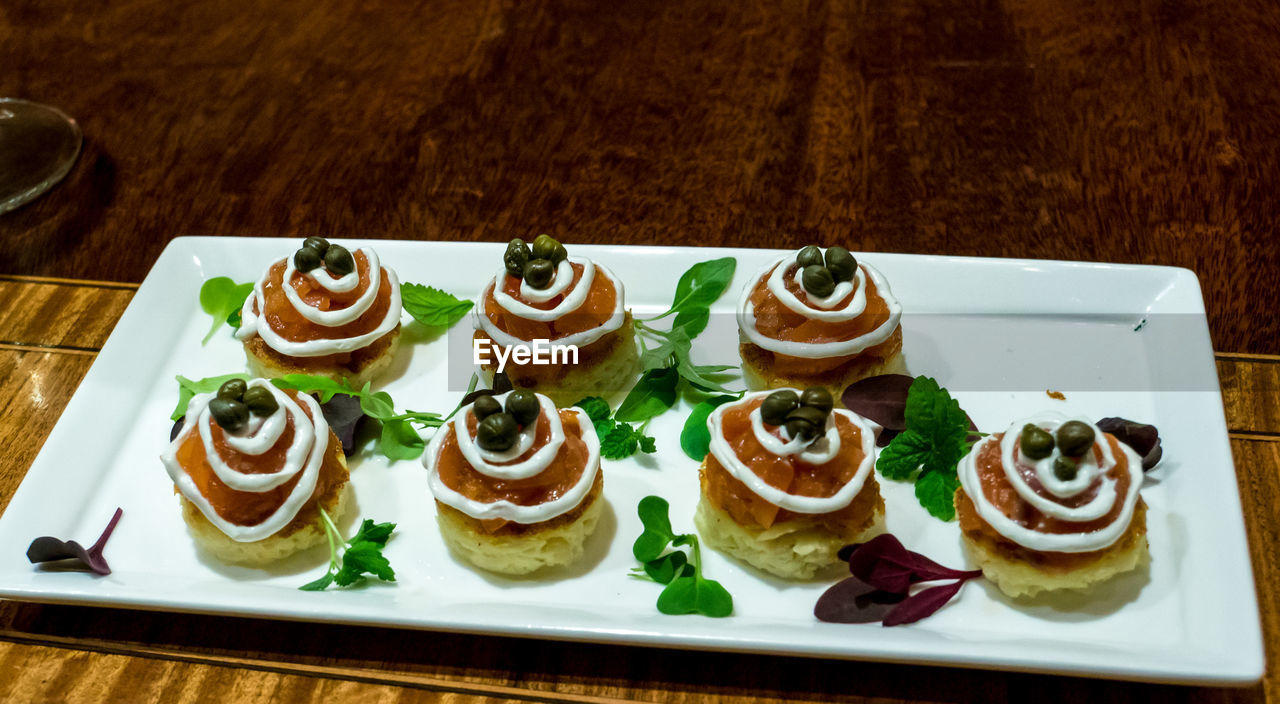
{"x": 880, "y": 589}
{"x": 1143, "y": 438}
{"x": 50, "y": 549}
{"x": 923, "y": 603}
{"x": 882, "y": 399}
{"x": 852, "y": 600}
{"x": 343, "y": 415}
{"x": 177, "y": 427}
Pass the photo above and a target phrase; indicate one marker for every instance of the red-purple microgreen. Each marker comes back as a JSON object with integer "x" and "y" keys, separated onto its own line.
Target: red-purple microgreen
{"x": 222, "y": 299}
{"x": 695, "y": 437}
{"x": 362, "y": 555}
{"x": 884, "y": 573}
{"x": 618, "y": 440}
{"x": 937, "y": 435}
{"x": 1143, "y": 438}
{"x": 665, "y": 354}
{"x": 686, "y": 590}
{"x": 882, "y": 399}
{"x": 69, "y": 553}
{"x": 431, "y": 306}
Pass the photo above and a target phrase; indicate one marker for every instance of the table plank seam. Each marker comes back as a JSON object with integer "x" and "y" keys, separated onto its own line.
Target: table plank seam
{"x": 432, "y": 684}
{"x": 18, "y": 346}
{"x": 1254, "y": 435}
{"x": 78, "y": 283}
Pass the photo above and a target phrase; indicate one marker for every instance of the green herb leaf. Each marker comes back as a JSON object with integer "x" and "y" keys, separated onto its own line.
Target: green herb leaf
{"x": 221, "y": 297}
{"x": 936, "y": 491}
{"x": 935, "y": 439}
{"x": 687, "y": 591}
{"x": 664, "y": 569}
{"x": 597, "y": 408}
{"x": 187, "y": 389}
{"x": 361, "y": 556}
{"x": 654, "y": 515}
{"x": 653, "y": 394}
{"x": 431, "y": 306}
{"x": 622, "y": 441}
{"x": 700, "y": 286}
{"x": 312, "y": 384}
{"x": 695, "y": 438}
{"x": 399, "y": 441}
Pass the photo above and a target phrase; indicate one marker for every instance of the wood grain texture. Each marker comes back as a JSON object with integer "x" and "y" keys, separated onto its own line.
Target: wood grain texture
{"x": 1134, "y": 132}
{"x": 57, "y": 653}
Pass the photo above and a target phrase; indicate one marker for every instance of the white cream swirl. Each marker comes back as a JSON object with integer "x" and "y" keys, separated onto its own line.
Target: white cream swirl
{"x": 574, "y": 299}
{"x": 1091, "y": 472}
{"x": 502, "y": 465}
{"x": 254, "y": 323}
{"x": 826, "y": 309}
{"x": 820, "y": 452}
{"x": 304, "y": 455}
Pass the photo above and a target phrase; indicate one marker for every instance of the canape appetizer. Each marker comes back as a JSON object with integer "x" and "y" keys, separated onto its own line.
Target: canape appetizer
{"x": 788, "y": 482}
{"x": 517, "y": 482}
{"x": 542, "y": 296}
{"x": 1051, "y": 504}
{"x": 251, "y": 465}
{"x": 818, "y": 319}
{"x": 325, "y": 311}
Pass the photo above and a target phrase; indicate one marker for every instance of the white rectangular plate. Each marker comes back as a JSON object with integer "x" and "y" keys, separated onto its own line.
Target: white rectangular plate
{"x": 997, "y": 332}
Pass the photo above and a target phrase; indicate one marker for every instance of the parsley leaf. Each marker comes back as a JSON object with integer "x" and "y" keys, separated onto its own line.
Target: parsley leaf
{"x": 222, "y": 299}
{"x": 362, "y": 555}
{"x": 618, "y": 440}
{"x": 935, "y": 439}
{"x": 431, "y": 306}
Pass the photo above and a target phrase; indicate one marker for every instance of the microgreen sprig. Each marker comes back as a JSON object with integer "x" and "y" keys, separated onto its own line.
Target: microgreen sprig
{"x": 686, "y": 591}
{"x": 361, "y": 555}
{"x": 665, "y": 354}
{"x": 222, "y": 299}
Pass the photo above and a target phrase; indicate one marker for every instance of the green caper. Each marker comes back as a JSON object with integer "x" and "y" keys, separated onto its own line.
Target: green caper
{"x": 485, "y": 406}
{"x": 231, "y": 415}
{"x": 818, "y": 281}
{"x": 1075, "y": 438}
{"x": 338, "y": 260}
{"x": 516, "y": 256}
{"x": 1065, "y": 468}
{"x": 307, "y": 258}
{"x": 815, "y": 417}
{"x": 777, "y": 405}
{"x": 809, "y": 256}
{"x": 801, "y": 428}
{"x": 497, "y": 432}
{"x": 260, "y": 401}
{"x": 319, "y": 244}
{"x": 1035, "y": 442}
{"x": 538, "y": 272}
{"x": 559, "y": 255}
{"x": 523, "y": 405}
{"x": 841, "y": 264}
{"x": 232, "y": 389}
{"x": 544, "y": 247}
{"x": 818, "y": 397}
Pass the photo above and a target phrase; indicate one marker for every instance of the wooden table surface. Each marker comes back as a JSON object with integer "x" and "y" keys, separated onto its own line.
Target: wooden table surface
{"x": 49, "y": 335}
{"x": 1143, "y": 131}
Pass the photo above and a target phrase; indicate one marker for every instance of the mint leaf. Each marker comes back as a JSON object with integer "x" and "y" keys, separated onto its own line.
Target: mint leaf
{"x": 936, "y": 491}
{"x": 597, "y": 408}
{"x": 220, "y": 297}
{"x": 431, "y": 306}
{"x": 622, "y": 441}
{"x": 907, "y": 453}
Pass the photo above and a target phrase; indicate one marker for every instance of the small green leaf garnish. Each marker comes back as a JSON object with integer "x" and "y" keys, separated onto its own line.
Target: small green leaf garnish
{"x": 618, "y": 440}
{"x": 695, "y": 438}
{"x": 222, "y": 299}
{"x": 361, "y": 556}
{"x": 399, "y": 440}
{"x": 936, "y": 437}
{"x": 431, "y": 306}
{"x": 687, "y": 591}
{"x": 665, "y": 357}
